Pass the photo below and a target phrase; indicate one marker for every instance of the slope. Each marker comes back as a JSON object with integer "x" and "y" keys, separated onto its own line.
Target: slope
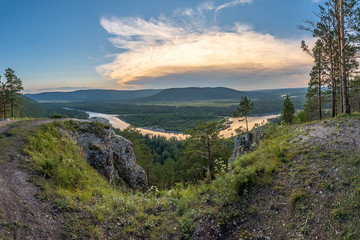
{"x": 22, "y": 215}
{"x": 91, "y": 95}
{"x": 30, "y": 108}
{"x": 301, "y": 182}
{"x": 167, "y": 95}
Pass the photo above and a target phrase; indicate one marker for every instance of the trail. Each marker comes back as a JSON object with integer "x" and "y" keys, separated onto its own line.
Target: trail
{"x": 22, "y": 215}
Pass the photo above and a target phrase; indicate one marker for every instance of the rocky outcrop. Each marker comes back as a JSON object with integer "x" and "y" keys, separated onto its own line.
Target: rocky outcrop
{"x": 111, "y": 155}
{"x": 246, "y": 142}
{"x": 242, "y": 144}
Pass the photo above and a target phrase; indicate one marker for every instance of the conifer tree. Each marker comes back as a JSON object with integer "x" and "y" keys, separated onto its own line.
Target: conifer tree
{"x": 288, "y": 111}
{"x": 338, "y": 29}
{"x": 3, "y": 99}
{"x": 243, "y": 110}
{"x": 13, "y": 88}
{"x": 205, "y": 145}
{"x": 317, "y": 73}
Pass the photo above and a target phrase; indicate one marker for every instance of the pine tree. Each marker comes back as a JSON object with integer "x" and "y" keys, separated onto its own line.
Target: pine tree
{"x": 205, "y": 145}
{"x": 243, "y": 110}
{"x": 338, "y": 29}
{"x": 13, "y": 88}
{"x": 288, "y": 111}
{"x": 3, "y": 99}
{"x": 317, "y": 73}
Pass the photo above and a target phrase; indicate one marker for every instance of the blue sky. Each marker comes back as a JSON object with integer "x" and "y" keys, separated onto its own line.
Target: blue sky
{"x": 243, "y": 44}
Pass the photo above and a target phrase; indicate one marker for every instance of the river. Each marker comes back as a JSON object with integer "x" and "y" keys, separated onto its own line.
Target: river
{"x": 229, "y": 132}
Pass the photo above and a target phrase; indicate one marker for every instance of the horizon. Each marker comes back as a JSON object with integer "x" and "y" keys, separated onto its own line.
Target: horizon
{"x": 61, "y": 90}
{"x": 130, "y": 45}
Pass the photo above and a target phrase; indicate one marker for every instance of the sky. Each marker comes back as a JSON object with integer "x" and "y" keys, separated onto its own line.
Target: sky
{"x": 155, "y": 44}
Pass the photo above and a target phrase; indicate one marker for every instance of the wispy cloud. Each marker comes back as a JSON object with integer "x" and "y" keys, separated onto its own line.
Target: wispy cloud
{"x": 232, "y": 4}
{"x": 189, "y": 42}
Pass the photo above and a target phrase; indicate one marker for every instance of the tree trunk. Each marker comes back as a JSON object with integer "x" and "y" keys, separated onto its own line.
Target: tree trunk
{"x": 345, "y": 99}
{"x": 247, "y": 127}
{"x": 337, "y": 17}
{"x": 3, "y": 103}
{"x": 210, "y": 161}
{"x": 319, "y": 88}
{"x": 333, "y": 81}
{"x": 12, "y": 108}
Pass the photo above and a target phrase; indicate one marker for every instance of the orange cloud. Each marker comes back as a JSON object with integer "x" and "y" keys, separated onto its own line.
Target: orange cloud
{"x": 161, "y": 47}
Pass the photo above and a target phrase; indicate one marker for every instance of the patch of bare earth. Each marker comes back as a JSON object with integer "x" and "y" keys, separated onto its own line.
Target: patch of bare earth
{"x": 22, "y": 215}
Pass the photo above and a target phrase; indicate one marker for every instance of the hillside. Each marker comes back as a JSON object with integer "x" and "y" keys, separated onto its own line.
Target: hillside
{"x": 30, "y": 108}
{"x": 167, "y": 95}
{"x": 175, "y": 109}
{"x": 91, "y": 95}
{"x": 195, "y": 93}
{"x": 301, "y": 182}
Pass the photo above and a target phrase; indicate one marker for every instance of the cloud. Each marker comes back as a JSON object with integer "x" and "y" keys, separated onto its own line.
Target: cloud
{"x": 232, "y": 4}
{"x": 189, "y": 43}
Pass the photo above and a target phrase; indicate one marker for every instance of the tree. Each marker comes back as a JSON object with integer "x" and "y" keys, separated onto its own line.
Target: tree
{"x": 338, "y": 30}
{"x": 13, "y": 88}
{"x": 288, "y": 111}
{"x": 3, "y": 99}
{"x": 317, "y": 72}
{"x": 205, "y": 146}
{"x": 243, "y": 110}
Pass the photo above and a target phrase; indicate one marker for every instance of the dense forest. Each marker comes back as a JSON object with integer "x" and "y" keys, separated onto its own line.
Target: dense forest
{"x": 167, "y": 162}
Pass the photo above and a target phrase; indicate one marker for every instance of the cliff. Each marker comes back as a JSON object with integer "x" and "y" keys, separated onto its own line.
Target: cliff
{"x": 110, "y": 154}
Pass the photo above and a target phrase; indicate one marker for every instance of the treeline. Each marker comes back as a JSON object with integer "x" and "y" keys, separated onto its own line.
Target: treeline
{"x": 167, "y": 162}
{"x": 333, "y": 79}
{"x": 10, "y": 93}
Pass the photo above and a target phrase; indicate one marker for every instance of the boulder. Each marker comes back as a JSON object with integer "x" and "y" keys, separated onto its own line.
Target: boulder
{"x": 111, "y": 155}
{"x": 242, "y": 144}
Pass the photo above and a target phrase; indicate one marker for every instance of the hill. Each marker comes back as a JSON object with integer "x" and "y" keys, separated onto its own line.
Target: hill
{"x": 32, "y": 109}
{"x": 91, "y": 95}
{"x": 167, "y": 95}
{"x": 175, "y": 109}
{"x": 301, "y": 182}
{"x": 195, "y": 93}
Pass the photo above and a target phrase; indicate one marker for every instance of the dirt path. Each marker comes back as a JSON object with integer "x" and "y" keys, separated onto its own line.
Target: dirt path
{"x": 22, "y": 215}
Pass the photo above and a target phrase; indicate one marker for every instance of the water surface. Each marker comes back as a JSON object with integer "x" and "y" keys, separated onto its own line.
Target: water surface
{"x": 229, "y": 132}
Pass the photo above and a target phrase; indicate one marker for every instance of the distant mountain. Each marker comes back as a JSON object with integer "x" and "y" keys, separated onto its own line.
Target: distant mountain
{"x": 32, "y": 109}
{"x": 192, "y": 94}
{"x": 195, "y": 94}
{"x": 167, "y": 95}
{"x": 92, "y": 95}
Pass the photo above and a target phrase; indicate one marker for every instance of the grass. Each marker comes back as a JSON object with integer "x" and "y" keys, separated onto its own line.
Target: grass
{"x": 281, "y": 168}
{"x": 88, "y": 200}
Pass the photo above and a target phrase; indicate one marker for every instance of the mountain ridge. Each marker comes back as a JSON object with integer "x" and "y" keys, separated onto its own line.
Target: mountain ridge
{"x": 162, "y": 95}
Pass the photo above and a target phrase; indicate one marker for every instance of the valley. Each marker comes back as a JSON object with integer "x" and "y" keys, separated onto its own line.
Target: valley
{"x": 173, "y": 110}
{"x": 230, "y": 131}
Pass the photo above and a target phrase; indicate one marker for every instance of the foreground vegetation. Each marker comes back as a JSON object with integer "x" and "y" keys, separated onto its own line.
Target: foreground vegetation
{"x": 95, "y": 209}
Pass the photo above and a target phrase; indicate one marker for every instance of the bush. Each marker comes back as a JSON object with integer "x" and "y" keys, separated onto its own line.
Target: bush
{"x": 57, "y": 115}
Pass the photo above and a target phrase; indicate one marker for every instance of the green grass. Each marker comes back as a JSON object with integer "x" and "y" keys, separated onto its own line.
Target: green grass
{"x": 86, "y": 197}
{"x": 88, "y": 200}
{"x": 95, "y": 209}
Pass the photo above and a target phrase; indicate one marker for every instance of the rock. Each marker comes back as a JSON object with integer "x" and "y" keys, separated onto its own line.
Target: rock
{"x": 5, "y": 120}
{"x": 111, "y": 155}
{"x": 243, "y": 144}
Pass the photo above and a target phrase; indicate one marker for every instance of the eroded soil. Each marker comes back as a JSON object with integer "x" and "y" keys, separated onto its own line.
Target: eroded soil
{"x": 22, "y": 214}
